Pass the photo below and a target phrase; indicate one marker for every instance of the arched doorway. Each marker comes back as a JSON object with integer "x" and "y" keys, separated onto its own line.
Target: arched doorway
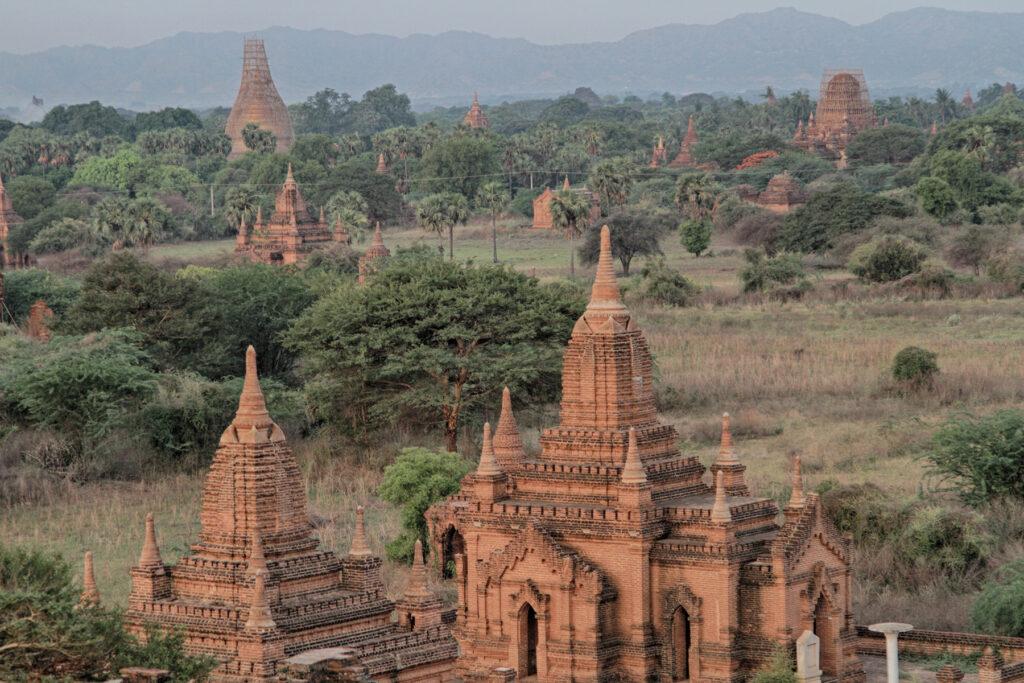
{"x": 451, "y": 545}
{"x": 527, "y": 641}
{"x": 824, "y": 628}
{"x": 680, "y": 645}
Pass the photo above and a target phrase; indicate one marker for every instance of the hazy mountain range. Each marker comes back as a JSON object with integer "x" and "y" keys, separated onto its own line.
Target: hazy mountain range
{"x": 912, "y": 51}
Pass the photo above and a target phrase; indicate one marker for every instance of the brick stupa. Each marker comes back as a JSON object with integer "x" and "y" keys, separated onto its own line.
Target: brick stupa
{"x": 659, "y": 155}
{"x": 256, "y": 589}
{"x": 475, "y": 117}
{"x": 376, "y": 251}
{"x": 258, "y": 102}
{"x": 290, "y": 234}
{"x": 685, "y": 157}
{"x": 607, "y": 556}
{"x": 844, "y": 110}
{"x": 783, "y": 194}
{"x": 8, "y": 220}
{"x": 542, "y": 219}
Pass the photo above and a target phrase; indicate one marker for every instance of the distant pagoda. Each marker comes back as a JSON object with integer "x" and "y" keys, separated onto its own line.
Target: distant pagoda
{"x": 685, "y": 157}
{"x": 475, "y": 117}
{"x": 258, "y": 102}
{"x": 844, "y": 110}
{"x": 289, "y": 235}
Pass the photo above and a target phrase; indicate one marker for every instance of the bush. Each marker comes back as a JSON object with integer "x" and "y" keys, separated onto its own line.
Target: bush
{"x": 666, "y": 285}
{"x": 731, "y": 210}
{"x": 999, "y": 608}
{"x": 1006, "y": 267}
{"x": 914, "y": 365}
{"x": 761, "y": 273}
{"x": 778, "y": 669}
{"x": 887, "y": 259}
{"x": 23, "y": 287}
{"x": 418, "y": 479}
{"x": 696, "y": 236}
{"x": 980, "y": 459}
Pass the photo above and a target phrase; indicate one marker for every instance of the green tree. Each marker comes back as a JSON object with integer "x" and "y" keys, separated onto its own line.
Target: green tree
{"x": 695, "y": 195}
{"x": 259, "y": 139}
{"x": 171, "y": 314}
{"x": 914, "y": 365}
{"x": 427, "y": 341}
{"x": 937, "y": 197}
{"x": 890, "y": 258}
{"x": 979, "y": 459}
{"x": 323, "y": 113}
{"x": 459, "y": 164}
{"x": 92, "y": 118}
{"x": 418, "y": 479}
{"x": 762, "y": 273}
{"x": 894, "y": 144}
{"x": 492, "y": 196}
{"x": 666, "y": 285}
{"x": 241, "y": 203}
{"x": 778, "y": 669}
{"x": 565, "y": 111}
{"x": 634, "y": 232}
{"x": 612, "y": 180}
{"x": 440, "y": 212}
{"x": 30, "y": 195}
{"x": 999, "y": 608}
{"x": 352, "y": 209}
{"x": 571, "y": 212}
{"x": 171, "y": 117}
{"x": 696, "y": 235}
{"x": 840, "y": 210}
{"x": 22, "y": 288}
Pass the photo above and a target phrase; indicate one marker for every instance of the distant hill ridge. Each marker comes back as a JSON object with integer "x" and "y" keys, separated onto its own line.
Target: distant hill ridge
{"x": 915, "y": 50}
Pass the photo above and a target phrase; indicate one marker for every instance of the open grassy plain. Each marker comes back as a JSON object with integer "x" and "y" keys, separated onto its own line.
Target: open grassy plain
{"x": 807, "y": 377}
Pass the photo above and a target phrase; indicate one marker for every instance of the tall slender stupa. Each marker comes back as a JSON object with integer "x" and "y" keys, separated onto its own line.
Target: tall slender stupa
{"x": 258, "y": 102}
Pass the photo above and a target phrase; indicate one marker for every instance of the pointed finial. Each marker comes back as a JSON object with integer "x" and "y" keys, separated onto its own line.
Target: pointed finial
{"x": 252, "y": 406}
{"x": 257, "y": 561}
{"x": 150, "y": 552}
{"x": 726, "y": 453}
{"x": 90, "y": 594}
{"x": 259, "y": 215}
{"x": 605, "y": 296}
{"x": 476, "y": 102}
{"x": 260, "y": 617}
{"x": 720, "y": 512}
{"x": 633, "y": 471}
{"x": 321, "y": 215}
{"x": 359, "y": 547}
{"x": 797, "y": 498}
{"x": 378, "y": 238}
{"x": 565, "y": 185}
{"x": 417, "y": 590}
{"x": 290, "y": 179}
{"x": 488, "y": 464}
{"x": 508, "y": 442}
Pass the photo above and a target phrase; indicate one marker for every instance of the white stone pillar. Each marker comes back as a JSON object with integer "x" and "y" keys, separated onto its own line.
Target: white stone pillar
{"x": 808, "y": 652}
{"x": 892, "y": 632}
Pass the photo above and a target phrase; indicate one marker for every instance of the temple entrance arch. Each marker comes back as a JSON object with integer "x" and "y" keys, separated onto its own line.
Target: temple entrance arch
{"x": 825, "y": 629}
{"x": 680, "y": 645}
{"x": 528, "y": 641}
{"x": 452, "y": 544}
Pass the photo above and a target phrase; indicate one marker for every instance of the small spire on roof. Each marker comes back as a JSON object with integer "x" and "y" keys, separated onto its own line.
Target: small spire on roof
{"x": 289, "y": 179}
{"x": 150, "y": 552}
{"x": 565, "y": 185}
{"x": 252, "y": 406}
{"x": 417, "y": 590}
{"x": 260, "y": 617}
{"x": 90, "y": 594}
{"x": 797, "y": 498}
{"x": 633, "y": 471}
{"x": 720, "y": 512}
{"x": 257, "y": 561}
{"x": 605, "y": 296}
{"x": 488, "y": 464}
{"x": 508, "y": 442}
{"x": 726, "y": 452}
{"x": 359, "y": 547}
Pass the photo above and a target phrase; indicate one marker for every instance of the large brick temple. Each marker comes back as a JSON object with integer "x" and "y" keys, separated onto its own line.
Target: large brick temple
{"x": 844, "y": 110}
{"x": 256, "y": 589}
{"x": 608, "y": 557}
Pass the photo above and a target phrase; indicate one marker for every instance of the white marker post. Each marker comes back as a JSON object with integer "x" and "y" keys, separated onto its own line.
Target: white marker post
{"x": 892, "y": 632}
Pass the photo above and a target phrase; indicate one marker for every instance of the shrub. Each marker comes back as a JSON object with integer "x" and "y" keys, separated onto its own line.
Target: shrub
{"x": 778, "y": 669}
{"x": 761, "y": 273}
{"x": 731, "y": 210}
{"x": 890, "y": 258}
{"x": 1007, "y": 266}
{"x": 760, "y": 230}
{"x": 980, "y": 458}
{"x": 65, "y": 234}
{"x": 24, "y": 287}
{"x": 418, "y": 479}
{"x": 999, "y": 608}
{"x": 914, "y": 364}
{"x": 666, "y": 285}
{"x": 974, "y": 245}
{"x": 696, "y": 235}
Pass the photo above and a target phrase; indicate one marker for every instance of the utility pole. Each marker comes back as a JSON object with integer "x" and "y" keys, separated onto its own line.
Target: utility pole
{"x": 211, "y": 200}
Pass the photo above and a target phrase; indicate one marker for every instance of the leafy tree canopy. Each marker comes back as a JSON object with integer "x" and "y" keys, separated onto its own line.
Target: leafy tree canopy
{"x": 459, "y": 164}
{"x": 634, "y": 231}
{"x": 894, "y": 144}
{"x": 840, "y": 210}
{"x": 92, "y": 118}
{"x": 171, "y": 117}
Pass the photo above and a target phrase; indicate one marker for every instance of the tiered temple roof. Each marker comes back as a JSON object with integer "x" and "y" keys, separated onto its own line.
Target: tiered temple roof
{"x": 289, "y": 235}
{"x": 844, "y": 109}
{"x": 376, "y": 251}
{"x": 659, "y": 155}
{"x": 475, "y": 117}
{"x": 607, "y": 554}
{"x": 258, "y": 102}
{"x": 685, "y": 157}
{"x": 8, "y": 220}
{"x": 542, "y": 219}
{"x": 782, "y": 194}
{"x": 256, "y": 589}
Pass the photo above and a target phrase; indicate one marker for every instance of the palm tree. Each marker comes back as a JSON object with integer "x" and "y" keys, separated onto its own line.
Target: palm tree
{"x": 509, "y": 156}
{"x": 571, "y": 212}
{"x": 945, "y": 105}
{"x": 493, "y": 197}
{"x": 143, "y": 226}
{"x": 612, "y": 181}
{"x": 241, "y": 203}
{"x": 440, "y": 211}
{"x": 353, "y": 210}
{"x": 111, "y": 217}
{"x": 978, "y": 140}
{"x": 695, "y": 195}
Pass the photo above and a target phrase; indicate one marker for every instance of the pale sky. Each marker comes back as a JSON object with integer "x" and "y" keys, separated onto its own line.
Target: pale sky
{"x": 33, "y": 25}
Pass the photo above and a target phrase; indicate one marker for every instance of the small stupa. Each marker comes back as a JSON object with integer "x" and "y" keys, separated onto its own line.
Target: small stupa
{"x": 475, "y": 117}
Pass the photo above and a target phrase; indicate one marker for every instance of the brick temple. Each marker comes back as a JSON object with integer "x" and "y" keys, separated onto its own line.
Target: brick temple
{"x": 8, "y": 220}
{"x": 684, "y": 159}
{"x": 844, "y": 109}
{"x": 475, "y": 117}
{"x": 258, "y": 102}
{"x": 608, "y": 557}
{"x": 376, "y": 251}
{"x": 783, "y": 194}
{"x": 256, "y": 589}
{"x": 542, "y": 219}
{"x": 290, "y": 234}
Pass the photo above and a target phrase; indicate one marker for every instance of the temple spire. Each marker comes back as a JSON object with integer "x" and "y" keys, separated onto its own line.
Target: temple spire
{"x": 257, "y": 561}
{"x": 633, "y": 472}
{"x": 417, "y": 590}
{"x": 488, "y": 464}
{"x": 289, "y": 179}
{"x": 359, "y": 547}
{"x": 605, "y": 296}
{"x": 90, "y": 594}
{"x": 726, "y": 452}
{"x": 720, "y": 512}
{"x": 378, "y": 238}
{"x": 260, "y": 617}
{"x": 508, "y": 442}
{"x": 798, "y": 498}
{"x": 150, "y": 556}
{"x": 252, "y": 406}
{"x": 565, "y": 185}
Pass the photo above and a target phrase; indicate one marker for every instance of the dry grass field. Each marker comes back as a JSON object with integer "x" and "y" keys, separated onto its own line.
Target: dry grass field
{"x": 805, "y": 377}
